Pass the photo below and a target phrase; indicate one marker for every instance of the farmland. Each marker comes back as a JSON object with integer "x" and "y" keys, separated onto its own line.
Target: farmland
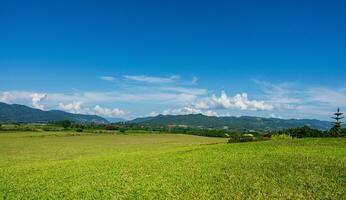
{"x": 71, "y": 165}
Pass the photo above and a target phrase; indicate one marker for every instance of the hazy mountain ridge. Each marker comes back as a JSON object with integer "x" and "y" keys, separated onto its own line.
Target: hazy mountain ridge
{"x": 25, "y": 114}
{"x": 245, "y": 122}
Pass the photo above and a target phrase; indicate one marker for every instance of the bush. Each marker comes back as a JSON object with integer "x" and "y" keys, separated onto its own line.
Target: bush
{"x": 302, "y": 132}
{"x": 281, "y": 137}
{"x": 265, "y": 136}
{"x": 112, "y": 128}
{"x": 247, "y": 138}
{"x": 65, "y": 124}
{"x": 234, "y": 138}
{"x": 79, "y": 130}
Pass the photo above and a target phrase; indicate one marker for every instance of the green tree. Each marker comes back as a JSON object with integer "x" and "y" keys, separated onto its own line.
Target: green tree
{"x": 335, "y": 131}
{"x": 65, "y": 124}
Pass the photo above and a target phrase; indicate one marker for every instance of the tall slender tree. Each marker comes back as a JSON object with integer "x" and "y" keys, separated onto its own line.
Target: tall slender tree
{"x": 335, "y": 131}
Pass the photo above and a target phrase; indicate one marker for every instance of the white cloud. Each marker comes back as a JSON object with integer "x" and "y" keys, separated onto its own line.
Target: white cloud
{"x": 208, "y": 106}
{"x": 15, "y": 96}
{"x": 153, "y": 114}
{"x": 274, "y": 116}
{"x": 239, "y": 101}
{"x": 74, "y": 107}
{"x": 107, "y": 78}
{"x": 36, "y": 99}
{"x": 6, "y": 97}
{"x": 153, "y": 79}
{"x": 107, "y": 112}
{"x": 186, "y": 110}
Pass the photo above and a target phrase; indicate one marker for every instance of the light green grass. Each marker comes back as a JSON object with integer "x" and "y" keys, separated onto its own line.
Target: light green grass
{"x": 165, "y": 166}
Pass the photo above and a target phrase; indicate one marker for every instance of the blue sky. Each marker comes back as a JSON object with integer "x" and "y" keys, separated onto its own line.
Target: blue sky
{"x": 138, "y": 58}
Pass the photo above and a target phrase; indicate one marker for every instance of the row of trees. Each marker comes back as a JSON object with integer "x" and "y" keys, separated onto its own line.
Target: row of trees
{"x": 335, "y": 131}
{"x": 306, "y": 131}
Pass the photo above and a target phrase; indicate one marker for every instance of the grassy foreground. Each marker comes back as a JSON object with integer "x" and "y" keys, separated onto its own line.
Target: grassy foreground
{"x": 165, "y": 166}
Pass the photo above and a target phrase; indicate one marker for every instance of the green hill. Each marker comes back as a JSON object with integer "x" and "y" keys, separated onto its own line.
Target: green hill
{"x": 25, "y": 114}
{"x": 237, "y": 123}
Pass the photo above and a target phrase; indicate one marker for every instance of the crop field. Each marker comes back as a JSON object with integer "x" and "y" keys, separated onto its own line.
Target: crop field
{"x": 68, "y": 165}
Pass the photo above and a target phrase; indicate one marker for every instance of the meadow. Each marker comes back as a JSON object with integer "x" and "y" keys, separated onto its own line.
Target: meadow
{"x": 70, "y": 165}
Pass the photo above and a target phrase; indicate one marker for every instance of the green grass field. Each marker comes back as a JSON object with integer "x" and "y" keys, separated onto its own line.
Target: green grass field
{"x": 164, "y": 166}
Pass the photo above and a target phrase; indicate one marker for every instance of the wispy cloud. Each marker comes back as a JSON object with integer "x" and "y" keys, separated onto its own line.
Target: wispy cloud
{"x": 186, "y": 90}
{"x": 335, "y": 97}
{"x": 153, "y": 79}
{"x": 107, "y": 78}
{"x": 194, "y": 80}
{"x": 303, "y": 101}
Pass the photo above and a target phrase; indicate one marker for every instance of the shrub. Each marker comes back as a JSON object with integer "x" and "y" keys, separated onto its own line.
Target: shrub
{"x": 79, "y": 130}
{"x": 234, "y": 138}
{"x": 112, "y": 127}
{"x": 281, "y": 137}
{"x": 247, "y": 138}
{"x": 264, "y": 136}
{"x": 65, "y": 124}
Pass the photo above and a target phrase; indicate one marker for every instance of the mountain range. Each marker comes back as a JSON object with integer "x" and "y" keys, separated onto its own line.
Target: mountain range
{"x": 25, "y": 114}
{"x": 234, "y": 123}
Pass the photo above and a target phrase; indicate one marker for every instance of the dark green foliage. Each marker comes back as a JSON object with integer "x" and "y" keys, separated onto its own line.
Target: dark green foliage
{"x": 199, "y": 132}
{"x": 112, "y": 127}
{"x": 65, "y": 123}
{"x": 234, "y": 138}
{"x": 336, "y": 131}
{"x": 264, "y": 136}
{"x": 302, "y": 132}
